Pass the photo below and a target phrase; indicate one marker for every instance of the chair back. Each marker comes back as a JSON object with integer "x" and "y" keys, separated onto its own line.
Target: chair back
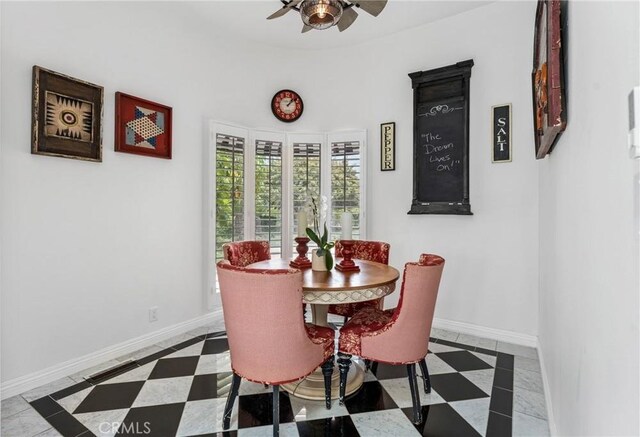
{"x": 405, "y": 339}
{"x": 262, "y": 310}
{"x": 243, "y": 253}
{"x": 377, "y": 251}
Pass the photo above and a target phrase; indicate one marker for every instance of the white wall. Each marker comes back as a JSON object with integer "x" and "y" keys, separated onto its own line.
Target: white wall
{"x": 88, "y": 248}
{"x": 491, "y": 278}
{"x": 589, "y": 330}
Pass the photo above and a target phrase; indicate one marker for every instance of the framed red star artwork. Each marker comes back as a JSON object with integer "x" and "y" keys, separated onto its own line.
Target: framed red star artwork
{"x": 142, "y": 127}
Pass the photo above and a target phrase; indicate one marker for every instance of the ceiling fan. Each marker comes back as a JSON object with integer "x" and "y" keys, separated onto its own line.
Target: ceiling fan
{"x": 323, "y": 14}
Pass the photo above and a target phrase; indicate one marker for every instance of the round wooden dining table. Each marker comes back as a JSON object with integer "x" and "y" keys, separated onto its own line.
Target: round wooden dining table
{"x": 321, "y": 289}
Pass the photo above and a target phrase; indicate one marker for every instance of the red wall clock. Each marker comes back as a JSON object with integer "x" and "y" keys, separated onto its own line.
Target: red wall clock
{"x": 287, "y": 106}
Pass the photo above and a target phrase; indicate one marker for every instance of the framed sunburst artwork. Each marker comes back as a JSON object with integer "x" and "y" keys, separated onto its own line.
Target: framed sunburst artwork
{"x": 142, "y": 127}
{"x": 66, "y": 116}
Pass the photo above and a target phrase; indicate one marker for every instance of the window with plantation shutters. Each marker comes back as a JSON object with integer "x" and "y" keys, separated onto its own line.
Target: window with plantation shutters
{"x": 345, "y": 186}
{"x": 229, "y": 191}
{"x": 268, "y": 194}
{"x": 260, "y": 179}
{"x": 306, "y": 177}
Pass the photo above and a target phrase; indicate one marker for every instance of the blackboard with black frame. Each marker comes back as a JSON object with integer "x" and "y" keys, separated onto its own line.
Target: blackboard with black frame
{"x": 441, "y": 140}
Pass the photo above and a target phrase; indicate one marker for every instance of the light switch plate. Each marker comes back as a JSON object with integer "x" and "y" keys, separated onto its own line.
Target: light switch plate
{"x": 634, "y": 123}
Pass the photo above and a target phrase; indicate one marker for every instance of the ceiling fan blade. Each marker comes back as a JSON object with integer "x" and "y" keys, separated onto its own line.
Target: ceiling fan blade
{"x": 347, "y": 19}
{"x": 283, "y": 10}
{"x": 306, "y": 28}
{"x": 279, "y": 13}
{"x": 374, "y": 7}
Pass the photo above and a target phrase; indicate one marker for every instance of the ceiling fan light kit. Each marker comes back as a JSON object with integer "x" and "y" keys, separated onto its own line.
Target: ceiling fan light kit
{"x": 323, "y": 14}
{"x": 320, "y": 14}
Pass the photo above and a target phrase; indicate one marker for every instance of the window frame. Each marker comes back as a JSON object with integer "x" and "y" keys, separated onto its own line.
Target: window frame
{"x": 266, "y": 135}
{"x": 212, "y": 298}
{"x": 288, "y": 242}
{"x": 361, "y": 137}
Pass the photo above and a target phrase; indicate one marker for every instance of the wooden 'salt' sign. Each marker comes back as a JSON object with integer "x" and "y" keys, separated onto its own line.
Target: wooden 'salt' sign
{"x": 501, "y": 135}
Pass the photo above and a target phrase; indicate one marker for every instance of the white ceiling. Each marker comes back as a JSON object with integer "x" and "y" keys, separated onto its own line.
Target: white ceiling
{"x": 246, "y": 20}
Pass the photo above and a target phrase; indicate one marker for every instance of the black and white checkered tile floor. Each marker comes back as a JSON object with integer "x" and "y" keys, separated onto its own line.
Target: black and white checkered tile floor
{"x": 182, "y": 390}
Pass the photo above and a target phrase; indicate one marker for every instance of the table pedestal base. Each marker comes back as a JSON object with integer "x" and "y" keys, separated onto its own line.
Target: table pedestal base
{"x": 312, "y": 387}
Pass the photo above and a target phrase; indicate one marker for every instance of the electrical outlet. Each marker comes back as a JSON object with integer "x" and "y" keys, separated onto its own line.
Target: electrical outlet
{"x": 153, "y": 314}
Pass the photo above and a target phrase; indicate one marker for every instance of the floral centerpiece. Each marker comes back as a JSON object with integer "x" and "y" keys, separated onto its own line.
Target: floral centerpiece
{"x": 318, "y": 212}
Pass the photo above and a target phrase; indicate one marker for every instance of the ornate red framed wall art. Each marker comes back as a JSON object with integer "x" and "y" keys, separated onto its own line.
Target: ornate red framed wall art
{"x": 142, "y": 127}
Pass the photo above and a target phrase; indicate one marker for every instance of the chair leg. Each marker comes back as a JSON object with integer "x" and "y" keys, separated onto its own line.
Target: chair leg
{"x": 276, "y": 410}
{"x": 327, "y": 371}
{"x": 233, "y": 393}
{"x": 425, "y": 376}
{"x": 415, "y": 396}
{"x": 344, "y": 362}
{"x": 367, "y": 365}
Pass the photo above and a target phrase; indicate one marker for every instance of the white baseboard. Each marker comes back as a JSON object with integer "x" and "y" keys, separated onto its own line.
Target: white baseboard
{"x": 24, "y": 383}
{"x": 483, "y": 331}
{"x": 547, "y": 393}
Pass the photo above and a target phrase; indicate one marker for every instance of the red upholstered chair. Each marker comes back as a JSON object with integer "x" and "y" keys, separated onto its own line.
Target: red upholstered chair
{"x": 243, "y": 253}
{"x": 400, "y": 335}
{"x": 269, "y": 342}
{"x": 377, "y": 251}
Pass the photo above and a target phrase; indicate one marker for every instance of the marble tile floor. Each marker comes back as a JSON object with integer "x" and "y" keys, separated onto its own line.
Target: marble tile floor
{"x": 179, "y": 387}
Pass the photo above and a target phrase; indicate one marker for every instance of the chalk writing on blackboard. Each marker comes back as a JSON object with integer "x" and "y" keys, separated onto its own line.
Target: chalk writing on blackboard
{"x": 439, "y": 153}
{"x": 444, "y": 109}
